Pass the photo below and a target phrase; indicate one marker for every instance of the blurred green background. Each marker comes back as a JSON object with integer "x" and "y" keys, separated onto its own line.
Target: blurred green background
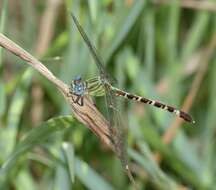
{"x": 162, "y": 50}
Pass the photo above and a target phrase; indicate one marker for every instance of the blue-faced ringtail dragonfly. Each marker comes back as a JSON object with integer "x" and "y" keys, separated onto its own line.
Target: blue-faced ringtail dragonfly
{"x": 103, "y": 86}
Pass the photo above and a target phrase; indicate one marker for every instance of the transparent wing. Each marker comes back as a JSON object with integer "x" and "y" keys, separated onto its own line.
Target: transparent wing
{"x": 117, "y": 130}
{"x": 101, "y": 86}
{"x": 91, "y": 47}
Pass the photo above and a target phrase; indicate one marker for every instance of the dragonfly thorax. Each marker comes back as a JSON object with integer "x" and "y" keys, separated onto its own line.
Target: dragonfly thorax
{"x": 78, "y": 86}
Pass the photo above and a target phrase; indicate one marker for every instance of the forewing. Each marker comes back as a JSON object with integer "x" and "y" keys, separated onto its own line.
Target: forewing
{"x": 115, "y": 123}
{"x": 90, "y": 45}
{"x": 116, "y": 126}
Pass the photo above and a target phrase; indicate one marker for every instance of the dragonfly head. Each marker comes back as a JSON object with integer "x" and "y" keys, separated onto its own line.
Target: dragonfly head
{"x": 77, "y": 80}
{"x": 78, "y": 86}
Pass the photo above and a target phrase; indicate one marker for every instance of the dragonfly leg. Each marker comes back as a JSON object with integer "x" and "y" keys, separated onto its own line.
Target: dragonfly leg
{"x": 81, "y": 101}
{"x": 78, "y": 100}
{"x": 72, "y": 98}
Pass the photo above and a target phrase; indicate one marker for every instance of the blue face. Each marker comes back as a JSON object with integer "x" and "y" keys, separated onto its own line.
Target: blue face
{"x": 78, "y": 86}
{"x": 78, "y": 77}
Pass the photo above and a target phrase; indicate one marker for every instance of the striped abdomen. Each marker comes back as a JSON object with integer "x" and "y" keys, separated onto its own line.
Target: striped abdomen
{"x": 157, "y": 104}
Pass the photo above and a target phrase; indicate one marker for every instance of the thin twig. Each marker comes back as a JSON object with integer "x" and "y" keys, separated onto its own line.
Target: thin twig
{"x": 86, "y": 114}
{"x": 191, "y": 4}
{"x": 204, "y": 63}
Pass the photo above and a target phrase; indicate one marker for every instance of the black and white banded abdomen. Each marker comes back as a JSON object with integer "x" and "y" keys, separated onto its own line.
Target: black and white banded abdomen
{"x": 157, "y": 104}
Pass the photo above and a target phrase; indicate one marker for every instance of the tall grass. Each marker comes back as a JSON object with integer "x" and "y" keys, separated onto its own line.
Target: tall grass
{"x": 158, "y": 50}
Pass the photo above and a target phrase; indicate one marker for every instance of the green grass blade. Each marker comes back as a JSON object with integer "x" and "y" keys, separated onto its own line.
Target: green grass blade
{"x": 150, "y": 42}
{"x": 124, "y": 28}
{"x": 70, "y": 159}
{"x": 195, "y": 35}
{"x": 173, "y": 31}
{"x": 16, "y": 108}
{"x": 2, "y": 99}
{"x": 89, "y": 177}
{"x": 35, "y": 137}
{"x": 3, "y": 17}
{"x": 156, "y": 175}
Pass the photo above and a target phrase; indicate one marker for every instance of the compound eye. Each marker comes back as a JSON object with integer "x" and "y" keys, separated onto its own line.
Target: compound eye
{"x": 78, "y": 78}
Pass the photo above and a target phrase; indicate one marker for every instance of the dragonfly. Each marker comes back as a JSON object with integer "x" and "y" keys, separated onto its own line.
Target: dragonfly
{"x": 100, "y": 86}
{"x": 97, "y": 86}
{"x": 103, "y": 86}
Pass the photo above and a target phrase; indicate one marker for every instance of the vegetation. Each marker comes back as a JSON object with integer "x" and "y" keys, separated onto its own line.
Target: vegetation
{"x": 162, "y": 50}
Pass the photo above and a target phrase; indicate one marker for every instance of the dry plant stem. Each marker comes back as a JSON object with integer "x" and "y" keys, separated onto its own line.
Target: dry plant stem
{"x": 45, "y": 34}
{"x": 87, "y": 114}
{"x": 204, "y": 63}
{"x": 204, "y": 5}
{"x": 47, "y": 24}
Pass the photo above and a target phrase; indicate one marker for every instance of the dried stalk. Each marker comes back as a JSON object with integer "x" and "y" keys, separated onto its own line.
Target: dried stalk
{"x": 44, "y": 36}
{"x": 191, "y": 4}
{"x": 86, "y": 114}
{"x": 169, "y": 135}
